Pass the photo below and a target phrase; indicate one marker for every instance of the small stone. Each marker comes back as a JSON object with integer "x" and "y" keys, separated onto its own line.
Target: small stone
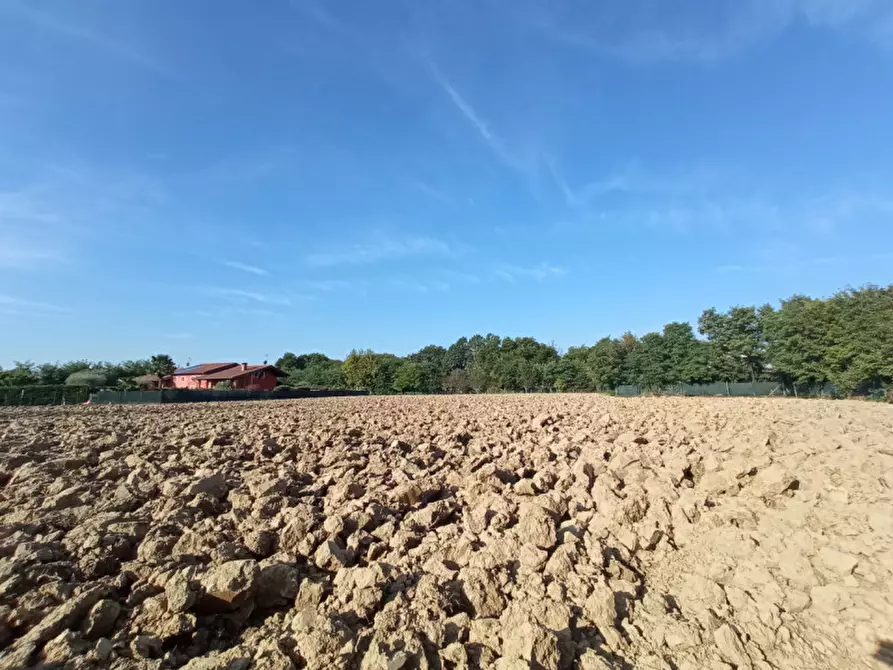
{"x": 260, "y": 542}
{"x": 103, "y": 649}
{"x": 213, "y": 485}
{"x": 277, "y": 585}
{"x": 62, "y": 647}
{"x": 230, "y": 585}
{"x": 796, "y": 602}
{"x": 181, "y": 592}
{"x": 525, "y": 488}
{"x": 537, "y": 526}
{"x": 330, "y": 556}
{"x": 730, "y": 647}
{"x": 101, "y": 619}
{"x": 837, "y": 561}
{"x": 532, "y": 643}
{"x": 146, "y": 646}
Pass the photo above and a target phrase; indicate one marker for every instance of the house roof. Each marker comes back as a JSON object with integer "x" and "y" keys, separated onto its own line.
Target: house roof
{"x": 204, "y": 368}
{"x": 147, "y": 379}
{"x": 232, "y": 373}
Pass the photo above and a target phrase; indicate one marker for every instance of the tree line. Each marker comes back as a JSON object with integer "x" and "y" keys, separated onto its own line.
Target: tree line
{"x": 845, "y": 340}
{"x": 95, "y": 374}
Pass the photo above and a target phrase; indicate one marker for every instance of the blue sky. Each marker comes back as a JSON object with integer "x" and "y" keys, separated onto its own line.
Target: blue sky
{"x": 225, "y": 182}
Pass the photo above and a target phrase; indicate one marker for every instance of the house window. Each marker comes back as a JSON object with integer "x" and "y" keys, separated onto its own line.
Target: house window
{"x": 259, "y": 374}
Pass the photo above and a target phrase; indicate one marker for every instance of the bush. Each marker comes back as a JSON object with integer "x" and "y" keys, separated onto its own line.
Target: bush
{"x": 224, "y": 386}
{"x": 93, "y": 378}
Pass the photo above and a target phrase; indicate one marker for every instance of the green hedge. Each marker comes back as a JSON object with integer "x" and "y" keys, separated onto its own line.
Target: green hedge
{"x": 60, "y": 394}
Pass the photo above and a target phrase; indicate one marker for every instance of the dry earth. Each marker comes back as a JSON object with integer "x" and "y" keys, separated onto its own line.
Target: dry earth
{"x": 549, "y": 532}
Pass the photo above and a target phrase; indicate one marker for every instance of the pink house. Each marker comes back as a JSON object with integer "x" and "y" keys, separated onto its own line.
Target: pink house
{"x": 187, "y": 378}
{"x": 239, "y": 376}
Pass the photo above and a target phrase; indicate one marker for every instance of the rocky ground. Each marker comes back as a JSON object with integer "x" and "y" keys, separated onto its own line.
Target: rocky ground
{"x": 550, "y": 532}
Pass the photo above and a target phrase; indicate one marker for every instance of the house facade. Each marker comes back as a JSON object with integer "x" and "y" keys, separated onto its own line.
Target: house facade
{"x": 238, "y": 375}
{"x": 188, "y": 377}
{"x": 244, "y": 376}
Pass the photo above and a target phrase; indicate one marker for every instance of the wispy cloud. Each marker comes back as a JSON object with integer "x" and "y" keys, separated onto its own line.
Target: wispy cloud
{"x": 250, "y": 296}
{"x": 380, "y": 250}
{"x": 420, "y": 286}
{"x": 796, "y": 263}
{"x": 569, "y": 196}
{"x": 16, "y": 256}
{"x": 644, "y": 32}
{"x": 461, "y": 277}
{"x": 244, "y": 267}
{"x": 54, "y": 23}
{"x": 432, "y": 192}
{"x": 540, "y": 272}
{"x": 31, "y": 306}
{"x": 327, "y": 285}
{"x": 496, "y": 145}
{"x": 59, "y": 216}
{"x": 633, "y": 179}
{"x": 464, "y": 106}
{"x": 235, "y": 311}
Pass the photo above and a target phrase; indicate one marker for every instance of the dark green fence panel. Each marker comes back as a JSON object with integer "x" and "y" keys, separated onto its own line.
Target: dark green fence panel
{"x": 756, "y": 389}
{"x": 125, "y": 397}
{"x": 826, "y": 390}
{"x": 211, "y": 395}
{"x": 44, "y": 395}
{"x": 735, "y": 389}
{"x": 716, "y": 388}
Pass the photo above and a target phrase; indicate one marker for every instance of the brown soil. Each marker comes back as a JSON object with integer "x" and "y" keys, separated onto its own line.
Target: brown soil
{"x": 550, "y": 532}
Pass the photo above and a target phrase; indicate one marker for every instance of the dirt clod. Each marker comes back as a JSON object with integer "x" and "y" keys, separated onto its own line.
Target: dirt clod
{"x": 554, "y": 532}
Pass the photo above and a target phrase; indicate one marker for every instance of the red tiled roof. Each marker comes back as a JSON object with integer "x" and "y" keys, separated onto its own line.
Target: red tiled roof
{"x": 232, "y": 373}
{"x": 204, "y": 368}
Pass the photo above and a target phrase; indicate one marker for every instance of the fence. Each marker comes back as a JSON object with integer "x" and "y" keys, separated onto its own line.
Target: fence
{"x": 733, "y": 389}
{"x": 211, "y": 395}
{"x": 109, "y": 397}
{"x": 16, "y": 396}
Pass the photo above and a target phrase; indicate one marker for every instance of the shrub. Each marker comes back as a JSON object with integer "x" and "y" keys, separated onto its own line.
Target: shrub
{"x": 224, "y": 386}
{"x": 93, "y": 378}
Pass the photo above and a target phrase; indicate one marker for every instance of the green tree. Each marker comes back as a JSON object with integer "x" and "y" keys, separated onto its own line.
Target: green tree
{"x": 860, "y": 339}
{"x": 457, "y": 381}
{"x": 530, "y": 375}
{"x": 360, "y": 369}
{"x": 688, "y": 360}
{"x": 652, "y": 362}
{"x": 604, "y": 362}
{"x": 568, "y": 373}
{"x": 161, "y": 365}
{"x": 479, "y": 378}
{"x": 629, "y": 347}
{"x": 408, "y": 378}
{"x": 386, "y": 366}
{"x": 288, "y": 363}
{"x": 432, "y": 362}
{"x": 23, "y": 374}
{"x": 738, "y": 342}
{"x": 797, "y": 340}
{"x": 459, "y": 355}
